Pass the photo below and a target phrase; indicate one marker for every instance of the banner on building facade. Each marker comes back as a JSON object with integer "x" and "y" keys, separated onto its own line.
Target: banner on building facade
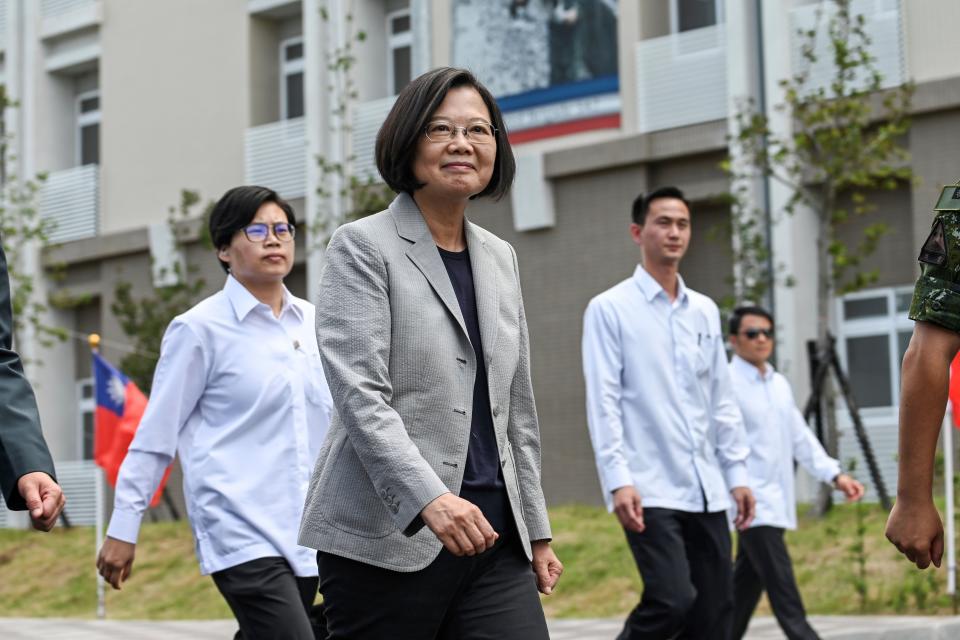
{"x": 552, "y": 64}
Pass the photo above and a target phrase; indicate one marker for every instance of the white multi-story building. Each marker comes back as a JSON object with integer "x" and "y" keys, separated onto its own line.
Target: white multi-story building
{"x": 126, "y": 102}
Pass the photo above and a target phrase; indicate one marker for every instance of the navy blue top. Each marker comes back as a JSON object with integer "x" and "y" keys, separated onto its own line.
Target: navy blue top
{"x": 482, "y": 478}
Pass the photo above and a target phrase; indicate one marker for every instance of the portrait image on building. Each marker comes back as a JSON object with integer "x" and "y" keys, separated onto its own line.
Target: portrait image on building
{"x": 552, "y": 64}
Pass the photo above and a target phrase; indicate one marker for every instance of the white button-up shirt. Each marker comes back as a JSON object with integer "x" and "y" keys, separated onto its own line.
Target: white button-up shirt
{"x": 661, "y": 413}
{"x": 240, "y": 395}
{"x": 778, "y": 435}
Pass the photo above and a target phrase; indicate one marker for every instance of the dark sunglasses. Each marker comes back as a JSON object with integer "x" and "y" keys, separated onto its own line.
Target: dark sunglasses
{"x": 260, "y": 231}
{"x": 753, "y": 334}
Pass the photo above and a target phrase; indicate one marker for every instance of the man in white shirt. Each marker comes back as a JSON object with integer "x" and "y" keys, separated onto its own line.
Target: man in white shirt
{"x": 668, "y": 438}
{"x": 778, "y": 436}
{"x": 239, "y": 393}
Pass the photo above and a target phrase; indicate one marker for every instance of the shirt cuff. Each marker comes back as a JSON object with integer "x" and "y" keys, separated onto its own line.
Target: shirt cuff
{"x": 124, "y": 525}
{"x": 736, "y": 475}
{"x": 617, "y": 477}
{"x": 830, "y": 472}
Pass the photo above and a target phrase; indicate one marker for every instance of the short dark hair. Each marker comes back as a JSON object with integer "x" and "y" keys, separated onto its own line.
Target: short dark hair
{"x": 737, "y": 316}
{"x": 641, "y": 206}
{"x": 398, "y": 137}
{"x": 236, "y": 208}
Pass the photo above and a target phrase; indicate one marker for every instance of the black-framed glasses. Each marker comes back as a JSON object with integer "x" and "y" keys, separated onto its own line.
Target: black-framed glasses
{"x": 477, "y": 132}
{"x": 260, "y": 231}
{"x": 753, "y": 334}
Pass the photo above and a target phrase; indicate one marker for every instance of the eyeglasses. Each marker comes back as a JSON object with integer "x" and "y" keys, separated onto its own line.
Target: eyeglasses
{"x": 260, "y": 231}
{"x": 478, "y": 132}
{"x": 753, "y": 334}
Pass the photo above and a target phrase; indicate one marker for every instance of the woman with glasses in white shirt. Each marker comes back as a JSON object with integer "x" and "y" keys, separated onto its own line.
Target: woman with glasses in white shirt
{"x": 240, "y": 395}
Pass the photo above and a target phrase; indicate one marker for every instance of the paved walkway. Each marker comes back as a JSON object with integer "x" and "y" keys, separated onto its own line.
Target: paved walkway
{"x": 830, "y": 628}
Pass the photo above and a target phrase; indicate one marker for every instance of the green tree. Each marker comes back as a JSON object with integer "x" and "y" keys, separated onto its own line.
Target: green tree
{"x": 145, "y": 319}
{"x": 845, "y": 145}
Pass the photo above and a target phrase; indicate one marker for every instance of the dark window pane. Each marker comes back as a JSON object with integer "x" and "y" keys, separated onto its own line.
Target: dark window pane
{"x": 293, "y": 51}
{"x": 694, "y": 14}
{"x": 904, "y": 299}
{"x": 869, "y": 361}
{"x": 401, "y": 24}
{"x": 90, "y": 144}
{"x": 294, "y": 95}
{"x": 88, "y": 435}
{"x": 89, "y": 104}
{"x": 864, "y": 308}
{"x": 401, "y": 68}
{"x": 86, "y": 391}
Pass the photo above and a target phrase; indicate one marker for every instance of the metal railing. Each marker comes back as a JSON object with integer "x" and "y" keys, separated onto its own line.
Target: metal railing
{"x": 367, "y": 119}
{"x": 70, "y": 201}
{"x": 882, "y": 23}
{"x": 50, "y": 8}
{"x": 682, "y": 79}
{"x": 275, "y": 156}
{"x": 78, "y": 479}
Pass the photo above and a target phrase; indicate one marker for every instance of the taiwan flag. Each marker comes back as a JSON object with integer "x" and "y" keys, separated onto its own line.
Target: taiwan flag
{"x": 120, "y": 405}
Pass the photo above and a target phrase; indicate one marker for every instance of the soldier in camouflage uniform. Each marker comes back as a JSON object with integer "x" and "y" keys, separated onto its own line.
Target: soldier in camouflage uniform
{"x": 914, "y": 526}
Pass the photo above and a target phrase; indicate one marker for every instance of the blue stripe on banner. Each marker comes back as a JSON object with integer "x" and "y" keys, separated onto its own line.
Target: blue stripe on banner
{"x": 559, "y": 93}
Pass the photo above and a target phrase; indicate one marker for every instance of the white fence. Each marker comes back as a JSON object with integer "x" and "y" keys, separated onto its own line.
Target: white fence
{"x": 275, "y": 156}
{"x": 78, "y": 479}
{"x": 70, "y": 201}
{"x": 367, "y": 118}
{"x": 882, "y": 23}
{"x": 49, "y": 8}
{"x": 682, "y": 78}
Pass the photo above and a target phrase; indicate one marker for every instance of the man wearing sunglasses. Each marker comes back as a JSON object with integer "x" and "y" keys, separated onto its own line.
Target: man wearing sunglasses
{"x": 778, "y": 436}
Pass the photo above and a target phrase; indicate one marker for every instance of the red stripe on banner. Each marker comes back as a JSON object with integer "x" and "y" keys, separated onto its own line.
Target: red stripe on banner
{"x": 611, "y": 121}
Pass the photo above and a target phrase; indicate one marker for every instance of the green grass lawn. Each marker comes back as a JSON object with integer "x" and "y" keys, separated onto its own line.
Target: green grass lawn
{"x": 53, "y": 575}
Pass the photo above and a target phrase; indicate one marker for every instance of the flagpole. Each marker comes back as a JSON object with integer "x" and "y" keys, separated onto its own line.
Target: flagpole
{"x": 94, "y": 340}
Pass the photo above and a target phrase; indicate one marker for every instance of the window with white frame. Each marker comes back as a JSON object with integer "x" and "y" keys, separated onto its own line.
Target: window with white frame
{"x": 86, "y": 408}
{"x": 399, "y": 51}
{"x": 291, "y": 78}
{"x": 88, "y": 128}
{"x": 874, "y": 334}
{"x": 686, "y": 15}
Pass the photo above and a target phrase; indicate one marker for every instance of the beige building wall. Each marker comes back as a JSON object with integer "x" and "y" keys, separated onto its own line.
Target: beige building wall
{"x": 932, "y": 47}
{"x": 174, "y": 86}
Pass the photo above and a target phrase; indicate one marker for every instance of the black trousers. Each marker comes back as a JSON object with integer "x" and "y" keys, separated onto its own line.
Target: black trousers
{"x": 492, "y": 596}
{"x": 764, "y": 563}
{"x": 685, "y": 561}
{"x": 270, "y": 601}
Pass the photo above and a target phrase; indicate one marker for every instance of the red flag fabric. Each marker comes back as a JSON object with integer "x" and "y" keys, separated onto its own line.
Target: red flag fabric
{"x": 955, "y": 390}
{"x": 120, "y": 405}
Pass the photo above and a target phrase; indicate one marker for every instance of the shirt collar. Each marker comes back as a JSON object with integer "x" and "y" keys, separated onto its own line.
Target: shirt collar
{"x": 651, "y": 288}
{"x": 751, "y": 372}
{"x": 243, "y": 302}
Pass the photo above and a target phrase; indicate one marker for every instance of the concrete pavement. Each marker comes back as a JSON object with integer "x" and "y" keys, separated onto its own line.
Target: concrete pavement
{"x": 763, "y": 628}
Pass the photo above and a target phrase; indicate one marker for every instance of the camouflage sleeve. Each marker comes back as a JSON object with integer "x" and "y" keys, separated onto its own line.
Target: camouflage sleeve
{"x": 936, "y": 297}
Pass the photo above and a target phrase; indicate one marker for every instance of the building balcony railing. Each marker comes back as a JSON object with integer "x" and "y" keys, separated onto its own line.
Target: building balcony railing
{"x": 882, "y": 23}
{"x": 275, "y": 156}
{"x": 78, "y": 479}
{"x": 51, "y": 8}
{"x": 682, "y": 79}
{"x": 70, "y": 202}
{"x": 3, "y": 24}
{"x": 60, "y": 17}
{"x": 367, "y": 118}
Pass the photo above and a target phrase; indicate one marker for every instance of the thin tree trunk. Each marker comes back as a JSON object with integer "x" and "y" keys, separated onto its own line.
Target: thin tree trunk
{"x": 828, "y": 397}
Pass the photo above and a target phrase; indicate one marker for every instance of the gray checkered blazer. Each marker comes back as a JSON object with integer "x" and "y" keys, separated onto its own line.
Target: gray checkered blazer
{"x": 401, "y": 370}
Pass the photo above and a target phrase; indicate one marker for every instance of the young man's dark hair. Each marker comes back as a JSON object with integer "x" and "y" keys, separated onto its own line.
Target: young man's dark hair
{"x": 641, "y": 206}
{"x": 407, "y": 121}
{"x": 737, "y": 317}
{"x": 236, "y": 208}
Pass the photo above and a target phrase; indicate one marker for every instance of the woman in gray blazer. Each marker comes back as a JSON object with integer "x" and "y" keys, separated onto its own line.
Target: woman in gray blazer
{"x": 425, "y": 504}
